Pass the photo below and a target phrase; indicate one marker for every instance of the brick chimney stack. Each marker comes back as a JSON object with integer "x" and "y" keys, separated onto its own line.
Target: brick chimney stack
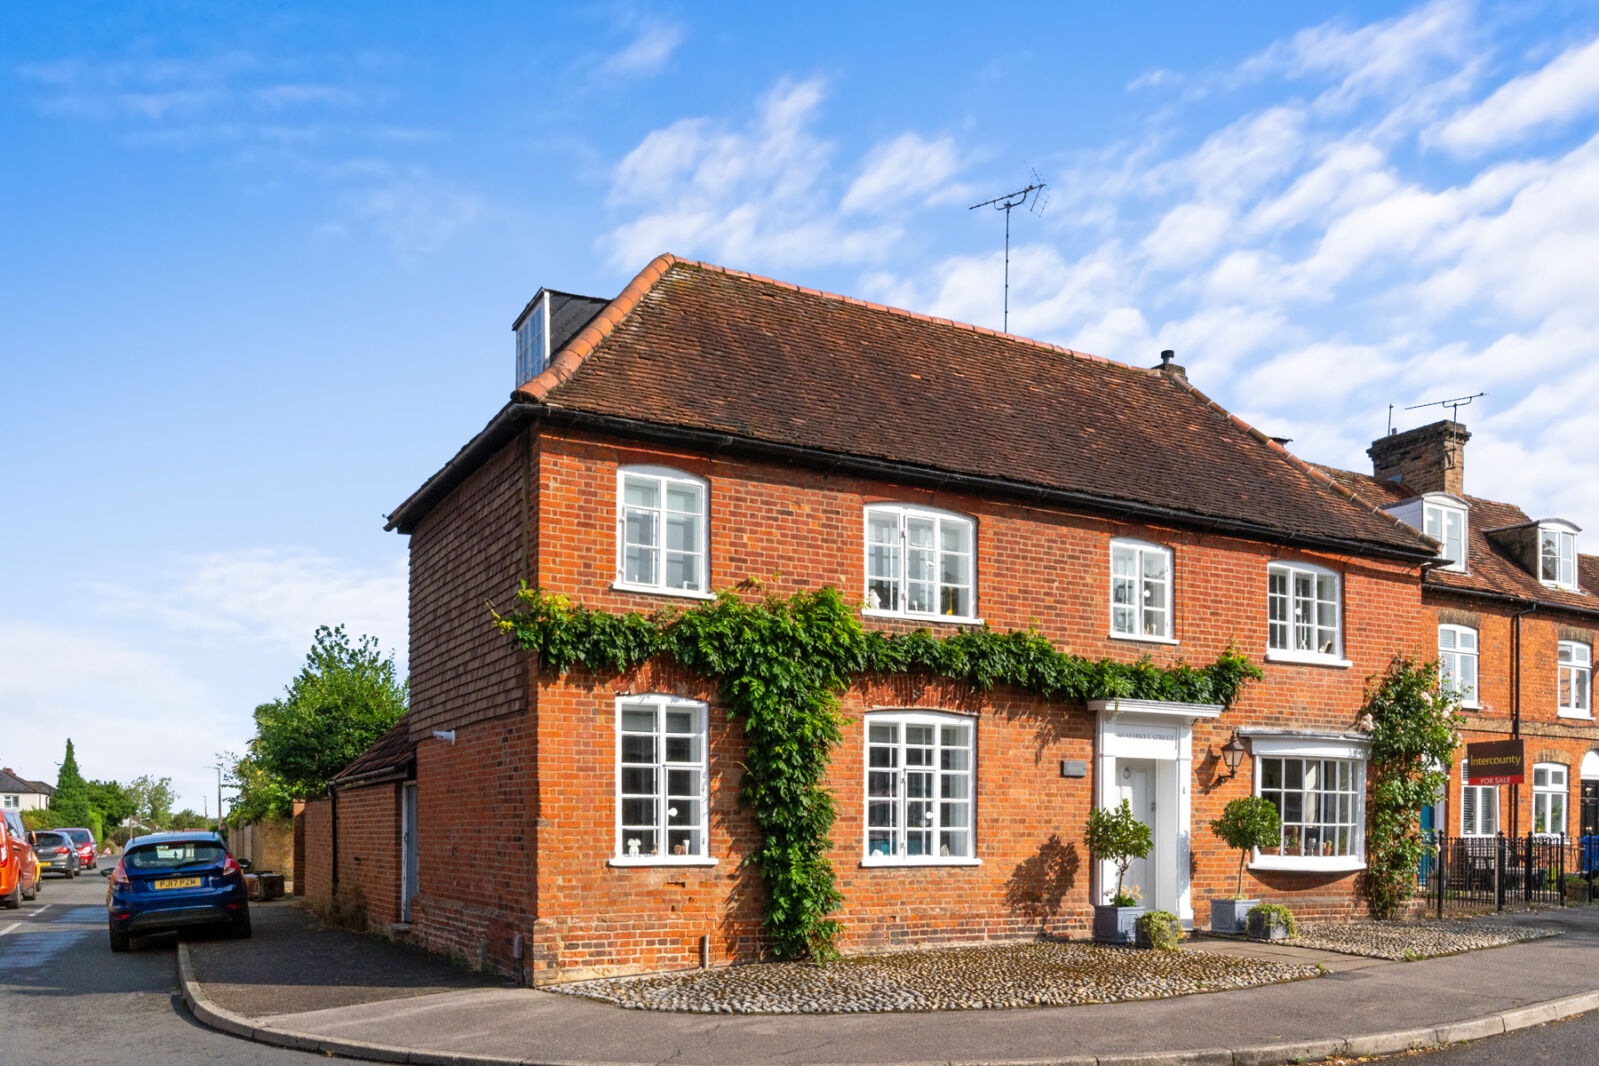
{"x": 1427, "y": 459}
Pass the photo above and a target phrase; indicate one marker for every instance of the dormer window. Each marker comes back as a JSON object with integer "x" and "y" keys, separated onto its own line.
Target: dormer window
{"x": 1557, "y": 555}
{"x": 533, "y": 340}
{"x": 1446, "y": 523}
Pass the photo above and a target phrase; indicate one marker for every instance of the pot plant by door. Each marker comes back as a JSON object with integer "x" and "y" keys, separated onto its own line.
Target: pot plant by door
{"x": 1114, "y": 835}
{"x": 1246, "y": 823}
{"x": 1272, "y": 921}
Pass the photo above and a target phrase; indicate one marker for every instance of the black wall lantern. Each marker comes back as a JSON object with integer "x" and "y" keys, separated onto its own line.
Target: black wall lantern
{"x": 1232, "y": 753}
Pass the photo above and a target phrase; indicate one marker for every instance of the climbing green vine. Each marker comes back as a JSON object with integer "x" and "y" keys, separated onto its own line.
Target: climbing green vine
{"x": 781, "y": 665}
{"x": 1414, "y": 723}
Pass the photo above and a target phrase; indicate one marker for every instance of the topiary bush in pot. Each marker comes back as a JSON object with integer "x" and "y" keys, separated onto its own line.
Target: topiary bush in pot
{"x": 1246, "y": 823}
{"x": 1114, "y": 835}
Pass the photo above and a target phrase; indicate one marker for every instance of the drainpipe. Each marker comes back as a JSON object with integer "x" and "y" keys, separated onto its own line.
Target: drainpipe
{"x": 1515, "y": 711}
{"x": 333, "y": 834}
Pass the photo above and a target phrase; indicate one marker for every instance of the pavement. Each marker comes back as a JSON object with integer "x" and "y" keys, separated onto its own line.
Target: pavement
{"x": 298, "y": 985}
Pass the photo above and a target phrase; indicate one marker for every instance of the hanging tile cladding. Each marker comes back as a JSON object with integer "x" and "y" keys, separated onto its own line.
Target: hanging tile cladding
{"x": 470, "y": 551}
{"x": 711, "y": 349}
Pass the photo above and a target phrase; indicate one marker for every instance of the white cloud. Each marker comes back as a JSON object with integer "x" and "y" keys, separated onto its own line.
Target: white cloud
{"x": 902, "y": 169}
{"x": 1564, "y": 90}
{"x": 648, "y": 52}
{"x": 1188, "y": 233}
{"x": 414, "y": 210}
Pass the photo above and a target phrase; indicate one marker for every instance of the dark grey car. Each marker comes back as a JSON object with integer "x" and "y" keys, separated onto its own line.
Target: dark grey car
{"x": 57, "y": 853}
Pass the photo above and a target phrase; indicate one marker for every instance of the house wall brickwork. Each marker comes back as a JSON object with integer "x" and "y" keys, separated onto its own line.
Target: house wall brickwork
{"x": 314, "y": 835}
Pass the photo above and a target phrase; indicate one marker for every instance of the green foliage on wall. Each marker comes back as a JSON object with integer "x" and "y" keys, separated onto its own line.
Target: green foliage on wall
{"x": 781, "y": 665}
{"x": 1415, "y": 724}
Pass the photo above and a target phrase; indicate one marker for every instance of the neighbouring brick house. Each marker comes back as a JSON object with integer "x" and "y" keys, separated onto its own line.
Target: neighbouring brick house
{"x": 707, "y": 426}
{"x": 1515, "y": 611}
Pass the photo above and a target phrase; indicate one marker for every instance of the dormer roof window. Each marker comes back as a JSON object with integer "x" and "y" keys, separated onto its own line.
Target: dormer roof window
{"x": 533, "y": 339}
{"x": 1557, "y": 554}
{"x": 1443, "y": 517}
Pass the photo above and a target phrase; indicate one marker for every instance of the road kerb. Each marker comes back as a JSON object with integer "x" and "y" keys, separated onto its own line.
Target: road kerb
{"x": 1383, "y": 1043}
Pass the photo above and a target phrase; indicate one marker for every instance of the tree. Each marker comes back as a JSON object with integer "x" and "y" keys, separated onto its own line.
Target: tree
{"x": 1247, "y": 823}
{"x": 345, "y": 697}
{"x": 187, "y": 819}
{"x": 1117, "y": 836}
{"x": 113, "y": 802}
{"x": 261, "y": 795}
{"x": 152, "y": 799}
{"x": 70, "y": 800}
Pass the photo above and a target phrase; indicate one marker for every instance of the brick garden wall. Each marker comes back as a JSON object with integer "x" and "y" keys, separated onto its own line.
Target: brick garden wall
{"x": 315, "y": 828}
{"x": 798, "y": 529}
{"x": 369, "y": 849}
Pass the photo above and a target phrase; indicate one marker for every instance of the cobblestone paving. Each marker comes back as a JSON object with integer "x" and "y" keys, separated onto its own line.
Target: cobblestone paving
{"x": 1413, "y": 940}
{"x": 1014, "y": 975}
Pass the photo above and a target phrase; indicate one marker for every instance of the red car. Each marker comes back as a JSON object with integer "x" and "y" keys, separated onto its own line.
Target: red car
{"x": 83, "y": 840}
{"x": 19, "y": 873}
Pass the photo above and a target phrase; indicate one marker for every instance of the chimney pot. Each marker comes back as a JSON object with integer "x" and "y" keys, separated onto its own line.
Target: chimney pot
{"x": 1170, "y": 368}
{"x": 1430, "y": 458}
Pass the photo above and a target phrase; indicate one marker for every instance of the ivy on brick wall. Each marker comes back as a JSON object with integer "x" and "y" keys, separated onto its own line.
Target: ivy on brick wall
{"x": 1414, "y": 722}
{"x": 781, "y": 665}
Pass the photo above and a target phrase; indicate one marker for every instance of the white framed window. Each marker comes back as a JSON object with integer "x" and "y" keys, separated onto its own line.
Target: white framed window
{"x": 920, "y": 563}
{"x": 920, "y": 788}
{"x": 1479, "y": 809}
{"x": 10, "y": 800}
{"x": 1549, "y": 792}
{"x": 1140, "y": 590}
{"x": 1303, "y": 609}
{"x": 1457, "y": 661}
{"x": 1447, "y": 524}
{"x": 662, "y": 530}
{"x": 661, "y": 791}
{"x": 1321, "y": 803}
{"x": 1576, "y": 680}
{"x": 1557, "y": 555}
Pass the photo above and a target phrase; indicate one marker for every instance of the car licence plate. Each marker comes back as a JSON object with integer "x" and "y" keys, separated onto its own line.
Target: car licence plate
{"x": 178, "y": 882}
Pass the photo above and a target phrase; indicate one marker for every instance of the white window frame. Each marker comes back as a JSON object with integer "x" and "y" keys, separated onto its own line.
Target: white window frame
{"x": 11, "y": 801}
{"x": 666, "y": 478}
{"x": 938, "y": 721}
{"x": 1139, "y": 550}
{"x": 1544, "y": 795}
{"x": 1565, "y": 536}
{"x": 1478, "y": 793}
{"x": 1292, "y": 571}
{"x": 662, "y": 704}
{"x": 904, "y": 512}
{"x": 1453, "y": 661}
{"x": 1431, "y": 509}
{"x": 1340, "y": 750}
{"x": 1575, "y": 679}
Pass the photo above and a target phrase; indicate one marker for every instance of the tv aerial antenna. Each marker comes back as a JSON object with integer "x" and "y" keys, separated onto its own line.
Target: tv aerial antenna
{"x": 1035, "y": 200}
{"x": 1454, "y": 403}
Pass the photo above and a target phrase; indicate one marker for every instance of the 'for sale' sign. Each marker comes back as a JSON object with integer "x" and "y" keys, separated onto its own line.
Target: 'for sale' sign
{"x": 1496, "y": 762}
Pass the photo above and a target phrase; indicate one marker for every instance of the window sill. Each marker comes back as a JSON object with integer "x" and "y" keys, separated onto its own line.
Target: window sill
{"x": 1581, "y": 716}
{"x": 663, "y": 860}
{"x": 1309, "y": 863}
{"x": 1302, "y": 658}
{"x": 937, "y": 860}
{"x": 1470, "y": 705}
{"x": 904, "y": 616}
{"x": 1143, "y": 640}
{"x": 682, "y": 594}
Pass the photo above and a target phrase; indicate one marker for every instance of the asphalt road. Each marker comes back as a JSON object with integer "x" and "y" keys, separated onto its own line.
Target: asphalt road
{"x": 64, "y": 998}
{"x": 1566, "y": 1043}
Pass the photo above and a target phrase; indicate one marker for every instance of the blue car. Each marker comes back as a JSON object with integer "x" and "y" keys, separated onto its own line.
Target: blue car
{"x": 171, "y": 881}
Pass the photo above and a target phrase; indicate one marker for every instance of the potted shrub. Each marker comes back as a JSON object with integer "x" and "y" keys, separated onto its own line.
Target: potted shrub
{"x": 1160, "y": 930}
{"x": 1272, "y": 921}
{"x": 1114, "y": 835}
{"x": 1246, "y": 823}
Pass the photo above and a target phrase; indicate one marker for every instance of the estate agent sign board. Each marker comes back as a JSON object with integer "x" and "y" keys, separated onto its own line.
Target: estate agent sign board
{"x": 1496, "y": 762}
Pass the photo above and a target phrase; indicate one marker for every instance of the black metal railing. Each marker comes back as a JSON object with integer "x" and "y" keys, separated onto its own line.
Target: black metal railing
{"x": 1490, "y": 873}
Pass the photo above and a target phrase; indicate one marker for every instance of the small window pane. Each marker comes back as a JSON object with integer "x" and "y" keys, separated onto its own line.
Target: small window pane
{"x": 642, "y": 493}
{"x": 639, "y": 721}
{"x": 638, "y": 749}
{"x": 685, "y": 498}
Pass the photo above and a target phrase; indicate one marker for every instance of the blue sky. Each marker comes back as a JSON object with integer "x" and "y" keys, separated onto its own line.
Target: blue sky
{"x": 261, "y": 264}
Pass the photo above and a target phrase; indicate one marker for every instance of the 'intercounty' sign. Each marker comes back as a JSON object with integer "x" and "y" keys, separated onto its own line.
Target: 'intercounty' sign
{"x": 1496, "y": 762}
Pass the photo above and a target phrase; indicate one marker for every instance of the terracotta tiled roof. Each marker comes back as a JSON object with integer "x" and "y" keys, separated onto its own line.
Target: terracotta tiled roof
{"x": 1489, "y": 568}
{"x": 393, "y": 751}
{"x": 704, "y": 348}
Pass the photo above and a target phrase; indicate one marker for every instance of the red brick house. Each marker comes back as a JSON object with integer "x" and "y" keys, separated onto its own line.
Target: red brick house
{"x": 1515, "y": 610}
{"x": 707, "y": 426}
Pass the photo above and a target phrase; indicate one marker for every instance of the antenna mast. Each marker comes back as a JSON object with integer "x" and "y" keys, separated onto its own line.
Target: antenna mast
{"x": 1454, "y": 403}
{"x": 1007, "y": 203}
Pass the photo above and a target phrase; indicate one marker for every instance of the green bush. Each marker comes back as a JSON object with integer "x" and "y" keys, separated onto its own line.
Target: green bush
{"x": 1161, "y": 930}
{"x": 1269, "y": 914}
{"x": 44, "y": 819}
{"x": 1115, "y": 835}
{"x": 1247, "y": 823}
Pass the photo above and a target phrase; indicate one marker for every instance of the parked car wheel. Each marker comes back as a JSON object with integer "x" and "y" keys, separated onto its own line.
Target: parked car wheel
{"x": 14, "y": 900}
{"x": 119, "y": 941}
{"x": 241, "y": 929}
{"x": 33, "y": 894}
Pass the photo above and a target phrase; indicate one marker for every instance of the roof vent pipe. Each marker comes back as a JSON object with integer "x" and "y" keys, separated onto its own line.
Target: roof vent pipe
{"x": 1170, "y": 368}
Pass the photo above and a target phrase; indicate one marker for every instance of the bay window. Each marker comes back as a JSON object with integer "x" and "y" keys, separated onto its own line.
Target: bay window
{"x": 1318, "y": 785}
{"x": 920, "y": 784}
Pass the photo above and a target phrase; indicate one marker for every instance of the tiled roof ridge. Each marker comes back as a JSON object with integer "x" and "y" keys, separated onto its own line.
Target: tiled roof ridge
{"x": 572, "y": 355}
{"x": 1311, "y": 470}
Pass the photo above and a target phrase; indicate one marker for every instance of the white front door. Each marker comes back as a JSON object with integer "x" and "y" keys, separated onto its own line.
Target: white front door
{"x": 1135, "y": 783}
